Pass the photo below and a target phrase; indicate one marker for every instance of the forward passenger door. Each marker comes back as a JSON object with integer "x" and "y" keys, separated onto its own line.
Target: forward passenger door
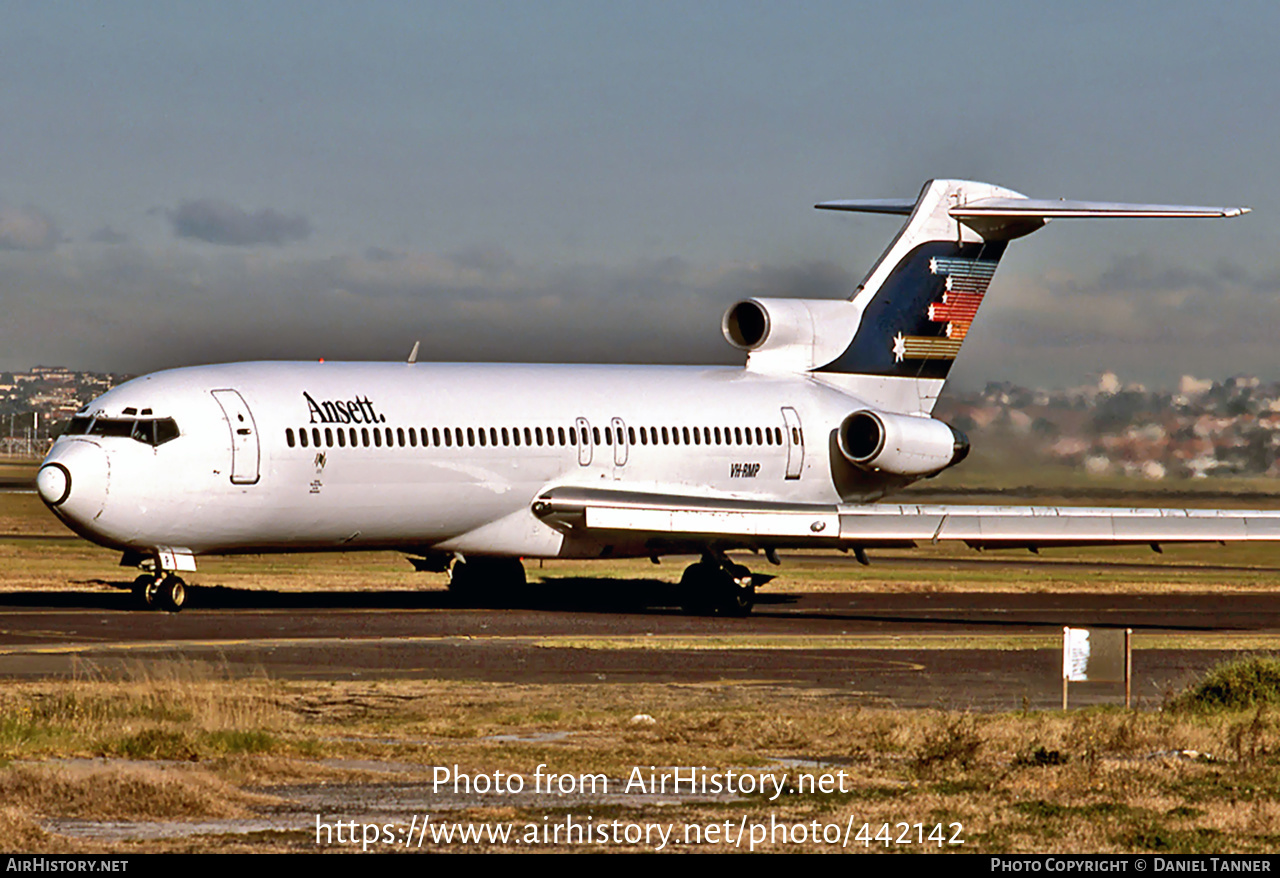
{"x": 245, "y": 451}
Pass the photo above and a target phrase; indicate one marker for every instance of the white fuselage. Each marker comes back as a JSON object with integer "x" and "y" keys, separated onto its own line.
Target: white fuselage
{"x": 274, "y": 456}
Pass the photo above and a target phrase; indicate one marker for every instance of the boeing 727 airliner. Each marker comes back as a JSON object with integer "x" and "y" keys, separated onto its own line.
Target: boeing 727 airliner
{"x": 470, "y": 468}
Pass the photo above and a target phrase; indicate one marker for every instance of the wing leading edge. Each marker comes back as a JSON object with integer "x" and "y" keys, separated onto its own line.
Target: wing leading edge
{"x": 678, "y": 519}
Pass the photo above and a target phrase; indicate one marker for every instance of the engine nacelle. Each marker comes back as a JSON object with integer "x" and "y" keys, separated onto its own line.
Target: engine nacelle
{"x": 903, "y": 444}
{"x": 794, "y": 335}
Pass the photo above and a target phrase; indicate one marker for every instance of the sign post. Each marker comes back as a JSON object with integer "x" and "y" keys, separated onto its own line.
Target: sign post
{"x": 1099, "y": 655}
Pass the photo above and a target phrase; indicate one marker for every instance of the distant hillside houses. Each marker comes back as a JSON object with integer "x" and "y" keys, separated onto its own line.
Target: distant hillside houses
{"x": 1203, "y": 429}
{"x": 36, "y": 403}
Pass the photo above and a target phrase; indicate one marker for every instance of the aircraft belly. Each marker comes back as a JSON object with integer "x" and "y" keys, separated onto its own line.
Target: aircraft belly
{"x": 390, "y": 503}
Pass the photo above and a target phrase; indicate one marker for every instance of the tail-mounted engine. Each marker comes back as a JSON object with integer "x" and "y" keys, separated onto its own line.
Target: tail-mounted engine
{"x": 789, "y": 335}
{"x": 900, "y": 444}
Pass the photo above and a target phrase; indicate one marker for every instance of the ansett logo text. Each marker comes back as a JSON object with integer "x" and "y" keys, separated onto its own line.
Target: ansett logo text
{"x": 343, "y": 411}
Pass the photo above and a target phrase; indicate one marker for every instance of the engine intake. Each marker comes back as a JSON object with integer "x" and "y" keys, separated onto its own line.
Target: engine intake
{"x": 746, "y": 325}
{"x": 902, "y": 444}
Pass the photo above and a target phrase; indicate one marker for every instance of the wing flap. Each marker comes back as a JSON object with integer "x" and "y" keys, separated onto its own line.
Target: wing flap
{"x": 764, "y": 523}
{"x": 688, "y": 522}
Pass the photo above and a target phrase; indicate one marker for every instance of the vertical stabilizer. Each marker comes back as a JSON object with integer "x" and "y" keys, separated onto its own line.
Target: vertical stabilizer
{"x": 914, "y": 309}
{"x": 917, "y": 303}
{"x": 893, "y": 341}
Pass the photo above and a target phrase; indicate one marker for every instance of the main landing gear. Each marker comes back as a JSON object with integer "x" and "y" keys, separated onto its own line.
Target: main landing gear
{"x": 717, "y": 585}
{"x": 160, "y": 591}
{"x": 486, "y": 582}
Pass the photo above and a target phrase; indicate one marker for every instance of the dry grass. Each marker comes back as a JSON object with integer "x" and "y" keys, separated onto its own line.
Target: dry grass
{"x": 158, "y": 711}
{"x": 186, "y": 741}
{"x": 116, "y": 791}
{"x": 1091, "y": 780}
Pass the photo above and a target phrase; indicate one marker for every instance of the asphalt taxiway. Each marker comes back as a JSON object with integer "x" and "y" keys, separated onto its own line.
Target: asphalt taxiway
{"x": 961, "y": 650}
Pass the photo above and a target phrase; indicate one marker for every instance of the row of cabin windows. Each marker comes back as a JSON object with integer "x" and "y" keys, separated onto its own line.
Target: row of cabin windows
{"x": 448, "y": 437}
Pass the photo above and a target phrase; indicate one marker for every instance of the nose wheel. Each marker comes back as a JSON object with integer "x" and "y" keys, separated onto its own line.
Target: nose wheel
{"x": 162, "y": 591}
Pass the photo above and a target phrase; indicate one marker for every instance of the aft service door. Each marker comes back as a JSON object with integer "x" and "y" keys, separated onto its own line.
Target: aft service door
{"x": 795, "y": 442}
{"x": 619, "y": 442}
{"x": 244, "y": 437}
{"x": 584, "y": 441}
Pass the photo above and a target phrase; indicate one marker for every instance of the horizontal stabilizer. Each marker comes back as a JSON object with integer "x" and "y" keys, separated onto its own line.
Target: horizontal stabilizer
{"x": 1053, "y": 209}
{"x": 899, "y": 206}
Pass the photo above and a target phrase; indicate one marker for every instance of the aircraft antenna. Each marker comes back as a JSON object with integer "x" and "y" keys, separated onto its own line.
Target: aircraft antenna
{"x": 413, "y": 354}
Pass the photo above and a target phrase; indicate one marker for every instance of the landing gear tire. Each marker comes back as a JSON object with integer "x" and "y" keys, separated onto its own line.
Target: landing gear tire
{"x": 486, "y": 582}
{"x": 697, "y": 587}
{"x": 710, "y": 588}
{"x": 172, "y": 594}
{"x": 143, "y": 590}
{"x": 167, "y": 592}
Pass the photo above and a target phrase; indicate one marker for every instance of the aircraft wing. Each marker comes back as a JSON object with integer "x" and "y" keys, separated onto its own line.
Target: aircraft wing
{"x": 675, "y": 519}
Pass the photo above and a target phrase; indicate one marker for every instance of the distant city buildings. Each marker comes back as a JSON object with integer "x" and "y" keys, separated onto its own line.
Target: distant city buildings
{"x": 34, "y": 405}
{"x": 1203, "y": 429}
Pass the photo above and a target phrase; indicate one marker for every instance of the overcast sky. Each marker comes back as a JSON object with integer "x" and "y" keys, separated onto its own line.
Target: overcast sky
{"x": 188, "y": 183}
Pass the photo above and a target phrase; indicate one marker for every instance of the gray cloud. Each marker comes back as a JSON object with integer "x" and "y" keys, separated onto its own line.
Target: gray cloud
{"x": 1148, "y": 322}
{"x": 26, "y": 228}
{"x": 218, "y": 222}
{"x": 381, "y": 254}
{"x": 125, "y": 309}
{"x": 108, "y": 235}
{"x": 487, "y": 259}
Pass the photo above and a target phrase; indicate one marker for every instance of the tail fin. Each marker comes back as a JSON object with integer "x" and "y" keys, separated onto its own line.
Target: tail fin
{"x": 917, "y": 303}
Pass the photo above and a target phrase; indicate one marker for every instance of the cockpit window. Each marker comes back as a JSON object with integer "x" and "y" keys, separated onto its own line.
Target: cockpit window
{"x": 144, "y": 431}
{"x": 166, "y": 429}
{"x": 112, "y": 427}
{"x": 150, "y": 431}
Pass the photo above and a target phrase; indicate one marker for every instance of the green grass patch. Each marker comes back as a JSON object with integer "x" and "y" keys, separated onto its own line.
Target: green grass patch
{"x": 241, "y": 741}
{"x": 151, "y": 744}
{"x": 1240, "y": 684}
{"x": 1165, "y": 839}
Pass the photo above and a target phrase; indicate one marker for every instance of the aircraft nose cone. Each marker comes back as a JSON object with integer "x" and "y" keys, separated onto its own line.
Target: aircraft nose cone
{"x": 73, "y": 480}
{"x": 53, "y": 483}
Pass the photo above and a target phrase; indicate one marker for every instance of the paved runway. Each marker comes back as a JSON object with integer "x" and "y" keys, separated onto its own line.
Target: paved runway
{"x": 918, "y": 650}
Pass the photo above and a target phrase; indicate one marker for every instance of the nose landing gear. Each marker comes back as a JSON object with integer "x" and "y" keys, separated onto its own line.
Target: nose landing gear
{"x": 160, "y": 591}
